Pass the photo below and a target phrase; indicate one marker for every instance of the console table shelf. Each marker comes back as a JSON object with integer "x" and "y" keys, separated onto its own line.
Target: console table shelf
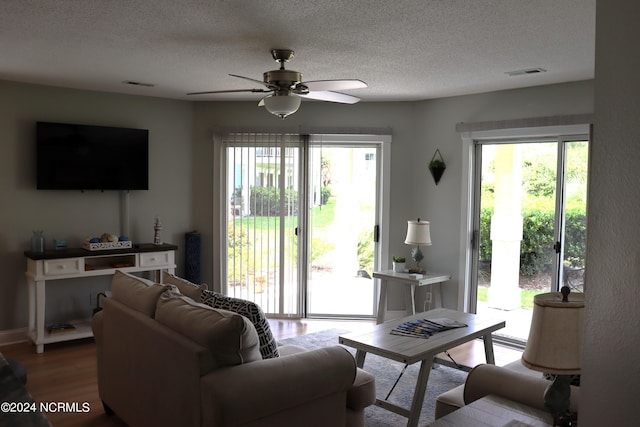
{"x": 83, "y": 330}
{"x": 81, "y": 263}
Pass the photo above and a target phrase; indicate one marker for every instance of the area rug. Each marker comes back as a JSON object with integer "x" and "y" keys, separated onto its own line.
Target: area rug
{"x": 441, "y": 379}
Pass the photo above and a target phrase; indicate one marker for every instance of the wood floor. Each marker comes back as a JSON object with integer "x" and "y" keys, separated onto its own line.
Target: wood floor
{"x": 66, "y": 372}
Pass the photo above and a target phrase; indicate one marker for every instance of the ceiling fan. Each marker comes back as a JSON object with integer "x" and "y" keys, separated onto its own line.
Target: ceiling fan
{"x": 286, "y": 88}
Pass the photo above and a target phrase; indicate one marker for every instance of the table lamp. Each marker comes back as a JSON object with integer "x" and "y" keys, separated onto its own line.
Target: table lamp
{"x": 555, "y": 345}
{"x": 418, "y": 235}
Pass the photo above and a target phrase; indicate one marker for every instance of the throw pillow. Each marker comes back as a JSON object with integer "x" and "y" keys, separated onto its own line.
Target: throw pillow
{"x": 135, "y": 292}
{"x": 184, "y": 286}
{"x": 250, "y": 310}
{"x": 231, "y": 338}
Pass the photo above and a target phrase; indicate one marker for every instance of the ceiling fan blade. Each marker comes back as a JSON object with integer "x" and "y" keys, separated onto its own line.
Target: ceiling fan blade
{"x": 331, "y": 96}
{"x": 323, "y": 85}
{"x": 270, "y": 86}
{"x": 229, "y": 91}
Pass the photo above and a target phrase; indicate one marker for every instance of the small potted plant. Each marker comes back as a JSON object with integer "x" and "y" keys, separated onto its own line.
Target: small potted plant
{"x": 399, "y": 264}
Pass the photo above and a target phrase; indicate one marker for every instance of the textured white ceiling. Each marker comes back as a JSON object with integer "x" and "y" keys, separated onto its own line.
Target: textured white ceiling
{"x": 403, "y": 49}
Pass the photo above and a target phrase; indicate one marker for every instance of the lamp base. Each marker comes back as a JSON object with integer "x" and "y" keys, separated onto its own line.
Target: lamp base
{"x": 417, "y": 256}
{"x": 556, "y": 397}
{"x": 570, "y": 419}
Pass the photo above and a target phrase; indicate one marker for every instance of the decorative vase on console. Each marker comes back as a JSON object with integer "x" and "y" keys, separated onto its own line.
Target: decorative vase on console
{"x": 37, "y": 241}
{"x": 157, "y": 227}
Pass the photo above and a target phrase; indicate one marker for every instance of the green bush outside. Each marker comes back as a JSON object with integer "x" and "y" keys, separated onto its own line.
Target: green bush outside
{"x": 536, "y": 249}
{"x": 325, "y": 194}
{"x": 265, "y": 201}
{"x": 238, "y": 250}
{"x": 366, "y": 250}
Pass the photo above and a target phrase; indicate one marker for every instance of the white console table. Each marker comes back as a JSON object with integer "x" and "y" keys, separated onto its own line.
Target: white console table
{"x": 82, "y": 263}
{"x": 410, "y": 283}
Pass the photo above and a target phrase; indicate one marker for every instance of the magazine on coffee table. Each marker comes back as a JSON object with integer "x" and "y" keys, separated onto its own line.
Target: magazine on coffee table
{"x": 424, "y": 328}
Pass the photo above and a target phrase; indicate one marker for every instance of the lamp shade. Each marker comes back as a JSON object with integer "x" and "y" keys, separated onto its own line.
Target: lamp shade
{"x": 418, "y": 233}
{"x": 282, "y": 105}
{"x": 555, "y": 338}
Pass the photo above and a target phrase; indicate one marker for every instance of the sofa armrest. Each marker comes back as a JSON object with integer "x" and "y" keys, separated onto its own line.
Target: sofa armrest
{"x": 142, "y": 365}
{"x": 239, "y": 394}
{"x": 529, "y": 390}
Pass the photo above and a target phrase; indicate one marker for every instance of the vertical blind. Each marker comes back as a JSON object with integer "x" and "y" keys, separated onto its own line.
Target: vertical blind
{"x": 263, "y": 204}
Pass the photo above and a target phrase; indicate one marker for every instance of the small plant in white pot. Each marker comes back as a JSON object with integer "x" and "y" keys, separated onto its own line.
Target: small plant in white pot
{"x": 399, "y": 264}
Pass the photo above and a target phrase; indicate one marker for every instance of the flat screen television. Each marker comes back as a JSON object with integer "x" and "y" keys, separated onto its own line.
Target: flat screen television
{"x": 83, "y": 157}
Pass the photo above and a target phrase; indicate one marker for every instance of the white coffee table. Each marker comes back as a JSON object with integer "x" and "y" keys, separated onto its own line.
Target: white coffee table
{"x": 409, "y": 350}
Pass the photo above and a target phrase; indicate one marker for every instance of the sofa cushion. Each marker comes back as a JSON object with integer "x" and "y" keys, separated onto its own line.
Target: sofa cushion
{"x": 230, "y": 337}
{"x": 136, "y": 292}
{"x": 250, "y": 310}
{"x": 184, "y": 286}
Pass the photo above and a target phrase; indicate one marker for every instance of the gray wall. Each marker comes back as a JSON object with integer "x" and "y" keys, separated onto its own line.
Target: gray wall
{"x": 185, "y": 172}
{"x": 419, "y": 128}
{"x": 610, "y": 386}
{"x": 72, "y": 215}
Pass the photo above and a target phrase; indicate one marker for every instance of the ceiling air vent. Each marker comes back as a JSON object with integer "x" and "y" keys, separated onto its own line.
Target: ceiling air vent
{"x": 525, "y": 72}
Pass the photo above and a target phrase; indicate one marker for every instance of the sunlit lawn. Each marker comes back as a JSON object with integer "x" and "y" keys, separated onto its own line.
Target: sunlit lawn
{"x": 526, "y": 297}
{"x": 259, "y": 236}
{"x": 262, "y": 223}
{"x": 323, "y": 217}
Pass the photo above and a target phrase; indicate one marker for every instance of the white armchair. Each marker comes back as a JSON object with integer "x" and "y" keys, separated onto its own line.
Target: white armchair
{"x": 514, "y": 382}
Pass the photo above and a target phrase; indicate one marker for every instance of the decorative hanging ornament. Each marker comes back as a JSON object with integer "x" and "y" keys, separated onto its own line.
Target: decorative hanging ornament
{"x": 437, "y": 166}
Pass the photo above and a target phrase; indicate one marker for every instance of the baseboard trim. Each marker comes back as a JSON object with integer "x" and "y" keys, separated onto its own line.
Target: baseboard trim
{"x": 13, "y": 336}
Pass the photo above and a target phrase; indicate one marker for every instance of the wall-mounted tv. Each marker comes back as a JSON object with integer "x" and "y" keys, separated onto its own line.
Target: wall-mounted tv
{"x": 82, "y": 157}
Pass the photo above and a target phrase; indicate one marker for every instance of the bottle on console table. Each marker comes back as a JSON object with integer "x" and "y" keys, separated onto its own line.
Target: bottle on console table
{"x": 157, "y": 228}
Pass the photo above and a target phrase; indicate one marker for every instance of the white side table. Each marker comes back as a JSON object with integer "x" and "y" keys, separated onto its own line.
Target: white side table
{"x": 410, "y": 283}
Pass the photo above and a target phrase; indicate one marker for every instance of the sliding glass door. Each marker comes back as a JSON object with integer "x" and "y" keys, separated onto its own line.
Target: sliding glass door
{"x": 342, "y": 218}
{"x": 572, "y": 247}
{"x": 300, "y": 215}
{"x": 530, "y": 225}
{"x": 262, "y": 189}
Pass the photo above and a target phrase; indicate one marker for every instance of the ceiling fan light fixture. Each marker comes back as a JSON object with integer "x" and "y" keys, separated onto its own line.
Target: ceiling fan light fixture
{"x": 287, "y": 88}
{"x": 282, "y": 105}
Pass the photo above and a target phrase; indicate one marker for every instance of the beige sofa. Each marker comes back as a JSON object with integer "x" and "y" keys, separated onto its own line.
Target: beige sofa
{"x": 165, "y": 360}
{"x": 513, "y": 381}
